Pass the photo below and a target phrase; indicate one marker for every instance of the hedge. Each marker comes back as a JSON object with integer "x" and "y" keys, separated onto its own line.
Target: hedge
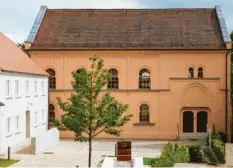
{"x": 196, "y": 154}
{"x": 171, "y": 154}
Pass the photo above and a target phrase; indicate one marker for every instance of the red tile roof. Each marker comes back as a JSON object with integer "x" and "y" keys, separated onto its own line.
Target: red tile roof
{"x": 129, "y": 29}
{"x": 13, "y": 59}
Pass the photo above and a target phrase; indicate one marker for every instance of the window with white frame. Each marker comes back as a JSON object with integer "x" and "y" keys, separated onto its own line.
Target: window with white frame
{"x": 42, "y": 87}
{"x": 8, "y": 125}
{"x": 8, "y": 88}
{"x": 27, "y": 87}
{"x": 36, "y": 118}
{"x": 17, "y": 123}
{"x": 17, "y": 87}
{"x": 35, "y": 87}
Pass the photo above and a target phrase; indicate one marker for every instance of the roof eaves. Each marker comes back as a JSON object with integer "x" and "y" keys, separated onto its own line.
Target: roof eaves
{"x": 27, "y": 73}
{"x": 36, "y": 24}
{"x": 2, "y": 104}
{"x": 222, "y": 23}
{"x": 76, "y": 49}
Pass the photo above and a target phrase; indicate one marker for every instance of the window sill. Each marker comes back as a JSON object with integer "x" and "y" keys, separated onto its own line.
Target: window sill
{"x": 43, "y": 124}
{"x": 112, "y": 88}
{"x": 138, "y": 124}
{"x": 43, "y": 95}
{"x": 8, "y": 135}
{"x": 8, "y": 98}
{"x": 144, "y": 88}
{"x": 27, "y": 96}
{"x": 35, "y": 95}
{"x": 17, "y": 97}
{"x": 17, "y": 132}
{"x": 35, "y": 126}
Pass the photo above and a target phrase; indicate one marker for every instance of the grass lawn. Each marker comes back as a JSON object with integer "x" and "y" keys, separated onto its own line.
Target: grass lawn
{"x": 6, "y": 163}
{"x": 147, "y": 161}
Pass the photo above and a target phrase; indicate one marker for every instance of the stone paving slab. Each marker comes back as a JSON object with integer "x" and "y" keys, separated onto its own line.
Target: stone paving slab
{"x": 69, "y": 153}
{"x": 229, "y": 154}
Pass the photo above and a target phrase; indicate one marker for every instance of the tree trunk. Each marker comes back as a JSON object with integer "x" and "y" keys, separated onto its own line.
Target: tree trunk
{"x": 90, "y": 151}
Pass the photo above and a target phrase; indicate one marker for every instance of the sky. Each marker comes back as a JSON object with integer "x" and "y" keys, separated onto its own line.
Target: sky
{"x": 17, "y": 17}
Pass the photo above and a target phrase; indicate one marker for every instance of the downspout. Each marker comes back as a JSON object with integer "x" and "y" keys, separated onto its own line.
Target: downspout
{"x": 47, "y": 122}
{"x": 226, "y": 82}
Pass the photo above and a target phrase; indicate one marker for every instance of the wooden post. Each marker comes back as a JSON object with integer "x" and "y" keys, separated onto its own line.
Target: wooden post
{"x": 115, "y": 149}
{"x": 209, "y": 137}
{"x": 178, "y": 138}
{"x": 9, "y": 153}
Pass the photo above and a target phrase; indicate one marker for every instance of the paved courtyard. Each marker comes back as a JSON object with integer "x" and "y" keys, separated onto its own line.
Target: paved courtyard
{"x": 71, "y": 154}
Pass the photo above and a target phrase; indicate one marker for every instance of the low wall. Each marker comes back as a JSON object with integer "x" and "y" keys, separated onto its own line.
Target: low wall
{"x": 45, "y": 141}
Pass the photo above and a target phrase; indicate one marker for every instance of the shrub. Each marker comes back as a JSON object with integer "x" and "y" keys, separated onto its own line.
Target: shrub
{"x": 196, "y": 154}
{"x": 223, "y": 136}
{"x": 218, "y": 148}
{"x": 209, "y": 155}
{"x": 162, "y": 162}
{"x": 176, "y": 153}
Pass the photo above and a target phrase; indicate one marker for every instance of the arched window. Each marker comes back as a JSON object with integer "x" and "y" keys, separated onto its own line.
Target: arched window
{"x": 113, "y": 108}
{"x": 144, "y": 79}
{"x": 51, "y": 114}
{"x": 52, "y": 78}
{"x": 113, "y": 82}
{"x": 144, "y": 113}
{"x": 191, "y": 73}
{"x": 200, "y": 72}
{"x": 79, "y": 71}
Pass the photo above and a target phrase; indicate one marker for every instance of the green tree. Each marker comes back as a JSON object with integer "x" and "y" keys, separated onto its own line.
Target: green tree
{"x": 21, "y": 46}
{"x": 88, "y": 112}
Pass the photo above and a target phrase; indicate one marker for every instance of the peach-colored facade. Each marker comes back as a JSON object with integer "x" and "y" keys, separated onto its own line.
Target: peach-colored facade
{"x": 172, "y": 91}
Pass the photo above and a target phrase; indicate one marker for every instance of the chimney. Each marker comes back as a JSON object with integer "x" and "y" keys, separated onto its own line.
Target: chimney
{"x": 27, "y": 45}
{"x": 228, "y": 45}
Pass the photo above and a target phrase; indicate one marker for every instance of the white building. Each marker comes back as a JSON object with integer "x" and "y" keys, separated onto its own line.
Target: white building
{"x": 23, "y": 96}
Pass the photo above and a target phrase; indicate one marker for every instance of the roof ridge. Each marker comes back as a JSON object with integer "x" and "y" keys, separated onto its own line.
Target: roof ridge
{"x": 136, "y": 9}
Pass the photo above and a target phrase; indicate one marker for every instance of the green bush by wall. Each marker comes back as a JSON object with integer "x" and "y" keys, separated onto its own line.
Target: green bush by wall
{"x": 196, "y": 153}
{"x": 176, "y": 153}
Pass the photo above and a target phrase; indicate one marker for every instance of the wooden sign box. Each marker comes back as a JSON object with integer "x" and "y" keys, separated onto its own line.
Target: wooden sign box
{"x": 124, "y": 151}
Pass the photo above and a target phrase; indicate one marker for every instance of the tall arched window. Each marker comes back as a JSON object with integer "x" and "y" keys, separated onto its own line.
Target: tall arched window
{"x": 113, "y": 108}
{"x": 144, "y": 114}
{"x": 191, "y": 72}
{"x": 113, "y": 82}
{"x": 144, "y": 78}
{"x": 79, "y": 71}
{"x": 52, "y": 78}
{"x": 200, "y": 72}
{"x": 51, "y": 114}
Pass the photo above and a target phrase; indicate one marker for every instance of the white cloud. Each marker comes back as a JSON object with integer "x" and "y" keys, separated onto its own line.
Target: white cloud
{"x": 19, "y": 19}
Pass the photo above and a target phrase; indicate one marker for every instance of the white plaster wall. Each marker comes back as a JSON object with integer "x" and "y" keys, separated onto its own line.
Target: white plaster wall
{"x": 18, "y": 105}
{"x": 0, "y": 131}
{"x": 45, "y": 141}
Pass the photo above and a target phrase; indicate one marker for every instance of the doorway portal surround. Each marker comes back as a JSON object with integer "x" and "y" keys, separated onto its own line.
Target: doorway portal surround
{"x": 196, "y": 99}
{"x": 195, "y": 111}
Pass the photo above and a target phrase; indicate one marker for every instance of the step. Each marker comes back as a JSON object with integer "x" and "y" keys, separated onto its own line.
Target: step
{"x": 194, "y": 136}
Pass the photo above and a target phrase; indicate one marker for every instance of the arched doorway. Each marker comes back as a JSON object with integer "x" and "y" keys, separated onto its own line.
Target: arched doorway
{"x": 188, "y": 121}
{"x": 202, "y": 121}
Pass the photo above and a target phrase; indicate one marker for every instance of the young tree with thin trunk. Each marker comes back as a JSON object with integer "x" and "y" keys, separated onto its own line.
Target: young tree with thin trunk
{"x": 88, "y": 112}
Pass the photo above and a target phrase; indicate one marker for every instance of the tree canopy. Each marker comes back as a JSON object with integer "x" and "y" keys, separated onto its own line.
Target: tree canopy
{"x": 88, "y": 112}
